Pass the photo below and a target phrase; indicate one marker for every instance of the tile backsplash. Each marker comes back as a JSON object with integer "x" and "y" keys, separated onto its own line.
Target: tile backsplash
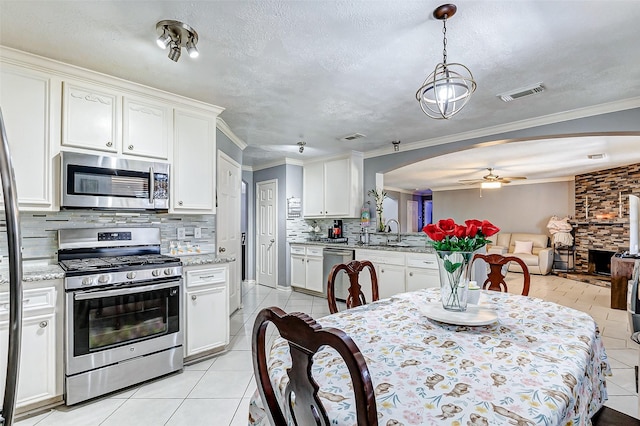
{"x": 40, "y": 236}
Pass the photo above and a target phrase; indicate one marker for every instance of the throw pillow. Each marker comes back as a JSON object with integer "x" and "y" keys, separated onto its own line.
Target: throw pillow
{"x": 524, "y": 247}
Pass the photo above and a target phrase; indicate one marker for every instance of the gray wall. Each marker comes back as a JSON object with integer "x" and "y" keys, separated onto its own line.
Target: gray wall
{"x": 279, "y": 173}
{"x": 225, "y": 145}
{"x": 521, "y": 208}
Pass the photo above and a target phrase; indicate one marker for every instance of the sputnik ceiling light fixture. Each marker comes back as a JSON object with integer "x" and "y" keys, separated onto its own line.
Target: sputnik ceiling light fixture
{"x": 448, "y": 88}
{"x": 301, "y": 144}
{"x": 175, "y": 35}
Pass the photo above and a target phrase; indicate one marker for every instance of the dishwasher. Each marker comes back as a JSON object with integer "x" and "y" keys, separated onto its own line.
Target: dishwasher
{"x": 333, "y": 256}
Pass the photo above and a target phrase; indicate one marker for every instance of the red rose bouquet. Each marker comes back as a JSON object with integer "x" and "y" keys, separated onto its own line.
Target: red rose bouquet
{"x": 449, "y": 236}
{"x": 454, "y": 246}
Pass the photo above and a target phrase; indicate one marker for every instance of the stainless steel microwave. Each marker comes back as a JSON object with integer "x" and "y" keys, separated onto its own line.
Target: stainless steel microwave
{"x": 104, "y": 182}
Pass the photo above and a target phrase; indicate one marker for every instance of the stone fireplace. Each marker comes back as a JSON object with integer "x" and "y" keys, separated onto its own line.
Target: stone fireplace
{"x": 602, "y": 214}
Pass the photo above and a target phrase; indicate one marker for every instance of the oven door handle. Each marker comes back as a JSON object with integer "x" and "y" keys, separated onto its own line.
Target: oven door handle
{"x": 122, "y": 291}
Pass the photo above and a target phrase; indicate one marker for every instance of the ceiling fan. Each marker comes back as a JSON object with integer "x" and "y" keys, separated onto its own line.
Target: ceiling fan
{"x": 491, "y": 180}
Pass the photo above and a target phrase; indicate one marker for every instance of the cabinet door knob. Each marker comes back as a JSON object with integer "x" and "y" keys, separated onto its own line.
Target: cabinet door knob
{"x": 221, "y": 249}
{"x": 410, "y": 274}
{"x": 109, "y": 144}
{"x": 194, "y": 297}
{"x": 43, "y": 324}
{"x": 130, "y": 147}
{"x": 382, "y": 271}
{"x": 179, "y": 203}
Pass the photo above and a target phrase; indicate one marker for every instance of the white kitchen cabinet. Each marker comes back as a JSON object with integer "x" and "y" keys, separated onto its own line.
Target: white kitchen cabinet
{"x": 206, "y": 310}
{"x": 38, "y": 356}
{"x": 28, "y": 100}
{"x": 390, "y": 270}
{"x": 306, "y": 268}
{"x": 146, "y": 127}
{"x": 194, "y": 162}
{"x": 314, "y": 272}
{"x": 90, "y": 117}
{"x": 313, "y": 192}
{"x": 422, "y": 271}
{"x": 333, "y": 188}
{"x": 399, "y": 271}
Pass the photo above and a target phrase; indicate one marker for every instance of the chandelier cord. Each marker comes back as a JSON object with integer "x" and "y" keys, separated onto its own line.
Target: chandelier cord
{"x": 444, "y": 40}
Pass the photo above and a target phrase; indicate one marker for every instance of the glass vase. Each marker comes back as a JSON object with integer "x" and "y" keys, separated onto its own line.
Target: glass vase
{"x": 380, "y": 222}
{"x": 454, "y": 278}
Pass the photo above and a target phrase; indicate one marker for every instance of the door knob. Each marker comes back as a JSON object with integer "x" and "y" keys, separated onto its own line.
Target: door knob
{"x": 272, "y": 240}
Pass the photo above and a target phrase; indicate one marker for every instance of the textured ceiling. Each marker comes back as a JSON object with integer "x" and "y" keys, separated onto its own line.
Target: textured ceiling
{"x": 318, "y": 70}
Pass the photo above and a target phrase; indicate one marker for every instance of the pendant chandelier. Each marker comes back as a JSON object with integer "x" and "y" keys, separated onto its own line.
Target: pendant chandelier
{"x": 448, "y": 88}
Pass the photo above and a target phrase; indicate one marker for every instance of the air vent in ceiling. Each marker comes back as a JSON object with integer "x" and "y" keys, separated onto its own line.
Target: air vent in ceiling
{"x": 352, "y": 137}
{"x": 521, "y": 92}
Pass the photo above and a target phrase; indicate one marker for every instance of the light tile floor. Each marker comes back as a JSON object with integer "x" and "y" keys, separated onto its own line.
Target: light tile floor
{"x": 217, "y": 391}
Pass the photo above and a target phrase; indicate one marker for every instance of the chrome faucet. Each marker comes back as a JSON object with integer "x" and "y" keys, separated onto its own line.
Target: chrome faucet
{"x": 398, "y": 238}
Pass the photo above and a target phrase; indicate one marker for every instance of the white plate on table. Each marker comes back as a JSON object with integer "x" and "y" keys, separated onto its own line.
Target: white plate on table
{"x": 474, "y": 315}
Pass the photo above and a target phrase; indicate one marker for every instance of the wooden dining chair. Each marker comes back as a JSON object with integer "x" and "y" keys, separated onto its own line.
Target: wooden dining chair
{"x": 305, "y": 338}
{"x": 495, "y": 280}
{"x": 355, "y": 297}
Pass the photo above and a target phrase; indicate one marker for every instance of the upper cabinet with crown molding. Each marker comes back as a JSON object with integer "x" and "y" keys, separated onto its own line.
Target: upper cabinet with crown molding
{"x": 30, "y": 107}
{"x": 98, "y": 118}
{"x": 333, "y": 188}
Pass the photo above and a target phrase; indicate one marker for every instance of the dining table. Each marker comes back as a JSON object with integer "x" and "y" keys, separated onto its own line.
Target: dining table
{"x": 511, "y": 359}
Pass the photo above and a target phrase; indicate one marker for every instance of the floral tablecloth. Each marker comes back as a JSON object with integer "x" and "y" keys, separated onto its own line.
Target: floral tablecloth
{"x": 540, "y": 363}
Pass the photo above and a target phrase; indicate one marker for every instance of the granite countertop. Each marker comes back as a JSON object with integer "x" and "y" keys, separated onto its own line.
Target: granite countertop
{"x": 354, "y": 246}
{"x": 44, "y": 272}
{"x": 31, "y": 273}
{"x": 204, "y": 259}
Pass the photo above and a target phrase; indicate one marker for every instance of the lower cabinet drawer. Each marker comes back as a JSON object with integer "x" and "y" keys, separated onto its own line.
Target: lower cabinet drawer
{"x": 427, "y": 261}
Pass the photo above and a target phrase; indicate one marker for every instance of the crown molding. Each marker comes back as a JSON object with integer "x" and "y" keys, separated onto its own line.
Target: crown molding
{"x": 284, "y": 161}
{"x": 516, "y": 125}
{"x": 224, "y": 128}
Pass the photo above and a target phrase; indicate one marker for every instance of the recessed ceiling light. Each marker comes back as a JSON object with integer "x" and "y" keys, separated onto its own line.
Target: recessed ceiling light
{"x": 596, "y": 156}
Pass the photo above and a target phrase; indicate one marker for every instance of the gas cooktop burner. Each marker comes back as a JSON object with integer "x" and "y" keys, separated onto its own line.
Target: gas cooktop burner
{"x": 92, "y": 264}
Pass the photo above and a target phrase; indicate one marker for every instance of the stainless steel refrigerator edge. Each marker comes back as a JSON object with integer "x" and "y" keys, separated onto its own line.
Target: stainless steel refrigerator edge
{"x": 14, "y": 243}
{"x": 333, "y": 256}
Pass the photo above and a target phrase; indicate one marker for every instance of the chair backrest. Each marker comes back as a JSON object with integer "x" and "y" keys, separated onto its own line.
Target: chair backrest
{"x": 495, "y": 279}
{"x": 305, "y": 337}
{"x": 355, "y": 297}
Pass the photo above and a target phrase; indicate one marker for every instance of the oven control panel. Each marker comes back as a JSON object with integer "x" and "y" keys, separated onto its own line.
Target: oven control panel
{"x": 114, "y": 236}
{"x": 122, "y": 277}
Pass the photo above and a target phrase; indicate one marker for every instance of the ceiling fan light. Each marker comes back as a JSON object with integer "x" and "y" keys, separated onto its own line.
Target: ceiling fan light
{"x": 490, "y": 185}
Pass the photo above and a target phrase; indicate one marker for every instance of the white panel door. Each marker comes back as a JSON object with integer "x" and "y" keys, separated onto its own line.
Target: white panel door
{"x": 266, "y": 228}
{"x": 228, "y": 223}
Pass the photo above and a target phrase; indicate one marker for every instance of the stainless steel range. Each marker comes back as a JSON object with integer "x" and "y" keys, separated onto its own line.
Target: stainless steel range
{"x": 123, "y": 299}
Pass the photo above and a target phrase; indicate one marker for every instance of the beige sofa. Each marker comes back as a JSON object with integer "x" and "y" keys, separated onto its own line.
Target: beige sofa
{"x": 539, "y": 260}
